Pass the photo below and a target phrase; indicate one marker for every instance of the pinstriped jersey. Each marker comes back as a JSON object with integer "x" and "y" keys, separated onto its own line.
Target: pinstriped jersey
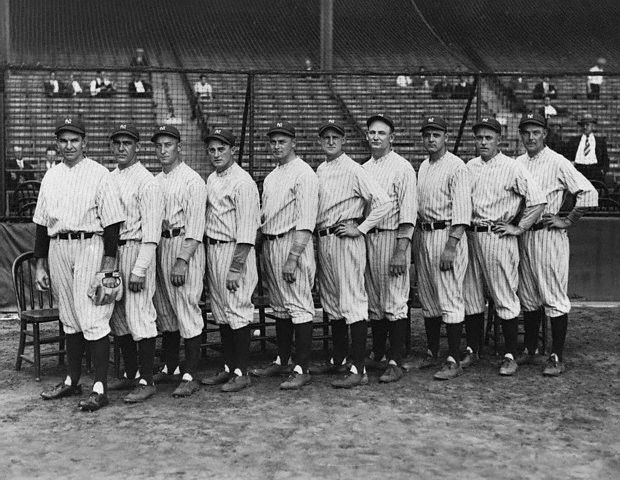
{"x": 498, "y": 186}
{"x": 143, "y": 203}
{"x": 82, "y": 198}
{"x": 397, "y": 177}
{"x": 345, "y": 189}
{"x": 290, "y": 198}
{"x": 184, "y": 200}
{"x": 555, "y": 174}
{"x": 444, "y": 190}
{"x": 233, "y": 208}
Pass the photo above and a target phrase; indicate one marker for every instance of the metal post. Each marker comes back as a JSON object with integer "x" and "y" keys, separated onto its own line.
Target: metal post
{"x": 244, "y": 122}
{"x": 466, "y": 115}
{"x": 479, "y": 96}
{"x": 251, "y": 126}
{"x": 327, "y": 35}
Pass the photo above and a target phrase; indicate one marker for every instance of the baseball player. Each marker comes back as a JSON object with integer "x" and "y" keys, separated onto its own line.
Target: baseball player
{"x": 232, "y": 220}
{"x": 388, "y": 246}
{"x": 445, "y": 205}
{"x": 544, "y": 248}
{"x": 288, "y": 216}
{"x": 78, "y": 218}
{"x": 133, "y": 319}
{"x": 346, "y": 190}
{"x": 499, "y": 185}
{"x": 180, "y": 261}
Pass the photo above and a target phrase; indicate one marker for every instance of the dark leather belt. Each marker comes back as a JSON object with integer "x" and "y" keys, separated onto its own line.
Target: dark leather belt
{"x": 378, "y": 230}
{"x": 479, "y": 228}
{"x": 74, "y": 235}
{"x": 537, "y": 226}
{"x": 332, "y": 230}
{"x": 175, "y": 232}
{"x": 430, "y": 226}
{"x": 213, "y": 241}
{"x": 273, "y": 237}
{"x": 326, "y": 231}
{"x": 124, "y": 242}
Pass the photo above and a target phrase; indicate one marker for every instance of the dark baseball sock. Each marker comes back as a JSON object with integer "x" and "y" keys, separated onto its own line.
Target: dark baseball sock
{"x": 340, "y": 340}
{"x": 100, "y": 350}
{"x": 146, "y": 353}
{"x": 432, "y": 325}
{"x": 228, "y": 347}
{"x": 303, "y": 345}
{"x": 171, "y": 344}
{"x": 454, "y": 332}
{"x": 241, "y": 341}
{"x": 192, "y": 354}
{"x": 380, "y": 329}
{"x": 511, "y": 335}
{"x": 359, "y": 333}
{"x": 284, "y": 339}
{"x": 129, "y": 351}
{"x": 531, "y": 327}
{"x": 473, "y": 330}
{"x": 398, "y": 333}
{"x": 75, "y": 345}
{"x": 559, "y": 327}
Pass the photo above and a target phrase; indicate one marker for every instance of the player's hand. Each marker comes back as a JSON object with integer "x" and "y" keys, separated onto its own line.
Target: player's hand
{"x": 504, "y": 229}
{"x": 42, "y": 279}
{"x": 446, "y": 260}
{"x": 136, "y": 283}
{"x": 554, "y": 221}
{"x": 347, "y": 230}
{"x": 178, "y": 273}
{"x": 233, "y": 280}
{"x": 288, "y": 271}
{"x": 398, "y": 263}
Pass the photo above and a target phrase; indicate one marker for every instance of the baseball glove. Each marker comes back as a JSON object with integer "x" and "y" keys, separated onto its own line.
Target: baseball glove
{"x": 106, "y": 287}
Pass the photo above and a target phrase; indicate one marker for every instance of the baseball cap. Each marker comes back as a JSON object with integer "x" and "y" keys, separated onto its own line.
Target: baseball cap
{"x": 487, "y": 122}
{"x": 381, "y": 117}
{"x": 69, "y": 124}
{"x": 533, "y": 118}
{"x": 436, "y": 122}
{"x": 126, "y": 129}
{"x": 223, "y": 135}
{"x": 334, "y": 125}
{"x": 282, "y": 126}
{"x": 166, "y": 130}
{"x": 587, "y": 118}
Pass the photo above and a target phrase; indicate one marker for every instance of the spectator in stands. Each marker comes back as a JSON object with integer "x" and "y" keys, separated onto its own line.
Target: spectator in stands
{"x": 52, "y": 86}
{"x": 544, "y": 89}
{"x": 595, "y": 81}
{"x": 139, "y": 59}
{"x": 547, "y": 110}
{"x": 18, "y": 169}
{"x": 172, "y": 118}
{"x": 404, "y": 81}
{"x": 74, "y": 89}
{"x": 422, "y": 81}
{"x": 102, "y": 86}
{"x": 202, "y": 89}
{"x": 139, "y": 88}
{"x": 589, "y": 151}
{"x": 462, "y": 89}
{"x": 443, "y": 89}
{"x": 51, "y": 157}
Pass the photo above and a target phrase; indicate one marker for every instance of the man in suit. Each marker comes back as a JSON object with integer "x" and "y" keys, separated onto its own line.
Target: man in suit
{"x": 588, "y": 151}
{"x": 544, "y": 89}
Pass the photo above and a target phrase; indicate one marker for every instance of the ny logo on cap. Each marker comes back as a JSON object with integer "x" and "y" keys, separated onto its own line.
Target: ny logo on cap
{"x": 431, "y": 119}
{"x": 530, "y": 115}
{"x": 331, "y": 121}
{"x": 123, "y": 127}
{"x": 68, "y": 121}
{"x": 163, "y": 127}
{"x": 278, "y": 124}
{"x": 485, "y": 119}
{"x": 218, "y": 132}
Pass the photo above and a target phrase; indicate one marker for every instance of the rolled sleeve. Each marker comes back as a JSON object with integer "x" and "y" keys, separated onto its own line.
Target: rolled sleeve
{"x": 408, "y": 197}
{"x": 247, "y": 212}
{"x": 307, "y": 201}
{"x": 195, "y": 210}
{"x": 460, "y": 196}
{"x": 577, "y": 184}
{"x": 151, "y": 212}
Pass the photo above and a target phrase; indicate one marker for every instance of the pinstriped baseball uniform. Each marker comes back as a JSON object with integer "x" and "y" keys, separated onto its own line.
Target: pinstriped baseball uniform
{"x": 233, "y": 216}
{"x": 345, "y": 189}
{"x": 544, "y": 253}
{"x": 184, "y": 207}
{"x": 388, "y": 294}
{"x": 290, "y": 202}
{"x": 143, "y": 204}
{"x": 444, "y": 194}
{"x": 498, "y": 187}
{"x": 82, "y": 198}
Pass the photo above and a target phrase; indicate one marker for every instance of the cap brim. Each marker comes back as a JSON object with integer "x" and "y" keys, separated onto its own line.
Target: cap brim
{"x": 282, "y": 131}
{"x": 434, "y": 126}
{"x": 167, "y": 134}
{"x": 70, "y": 128}
{"x": 332, "y": 127}
{"x": 495, "y": 128}
{"x": 221, "y": 138}
{"x": 533, "y": 122}
{"x": 381, "y": 119}
{"x": 125, "y": 132}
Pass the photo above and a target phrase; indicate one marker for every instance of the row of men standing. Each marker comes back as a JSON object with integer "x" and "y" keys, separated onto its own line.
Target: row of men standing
{"x": 364, "y": 218}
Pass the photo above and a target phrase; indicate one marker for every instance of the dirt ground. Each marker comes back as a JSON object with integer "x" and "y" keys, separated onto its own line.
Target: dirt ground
{"x": 477, "y": 426}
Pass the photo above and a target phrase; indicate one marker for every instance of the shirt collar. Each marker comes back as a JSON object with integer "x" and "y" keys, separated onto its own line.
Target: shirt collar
{"x": 228, "y": 171}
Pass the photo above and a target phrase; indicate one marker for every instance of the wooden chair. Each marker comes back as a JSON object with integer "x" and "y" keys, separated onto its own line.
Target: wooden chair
{"x": 34, "y": 308}
{"x": 25, "y": 197}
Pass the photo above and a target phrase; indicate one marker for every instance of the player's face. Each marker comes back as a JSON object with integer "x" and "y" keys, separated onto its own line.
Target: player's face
{"x": 168, "y": 150}
{"x": 332, "y": 142}
{"x": 71, "y": 146}
{"x": 221, "y": 154}
{"x": 125, "y": 150}
{"x": 282, "y": 147}
{"x": 487, "y": 142}
{"x": 380, "y": 138}
{"x": 533, "y": 138}
{"x": 434, "y": 140}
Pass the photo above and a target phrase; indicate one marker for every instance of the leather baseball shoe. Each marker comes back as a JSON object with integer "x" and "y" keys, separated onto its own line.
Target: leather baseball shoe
{"x": 295, "y": 381}
{"x": 393, "y": 373}
{"x": 527, "y": 358}
{"x": 508, "y": 367}
{"x": 161, "y": 377}
{"x": 273, "y": 370}
{"x": 373, "y": 364}
{"x": 94, "y": 402}
{"x": 61, "y": 390}
{"x": 140, "y": 393}
{"x": 186, "y": 388}
{"x": 328, "y": 367}
{"x": 430, "y": 361}
{"x": 469, "y": 358}
{"x": 236, "y": 383}
{"x": 351, "y": 380}
{"x": 217, "y": 379}
{"x": 554, "y": 367}
{"x": 449, "y": 371}
{"x": 123, "y": 384}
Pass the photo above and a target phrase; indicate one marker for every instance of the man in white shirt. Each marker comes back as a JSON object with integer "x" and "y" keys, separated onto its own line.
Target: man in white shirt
{"x": 595, "y": 81}
{"x": 202, "y": 89}
{"x": 589, "y": 151}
